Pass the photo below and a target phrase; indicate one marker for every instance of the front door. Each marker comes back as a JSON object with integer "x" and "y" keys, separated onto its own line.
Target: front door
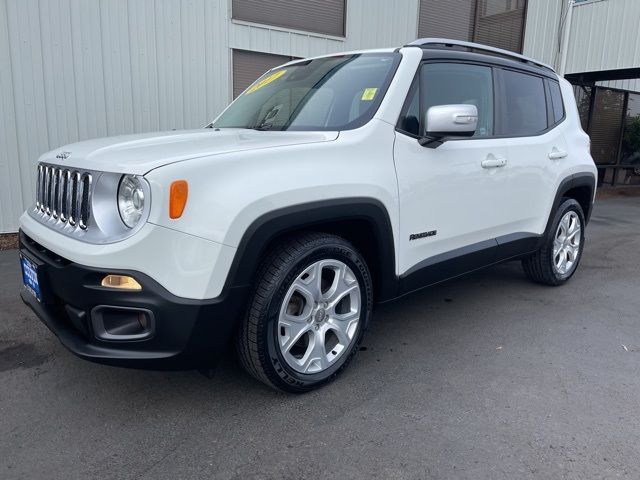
{"x": 450, "y": 195}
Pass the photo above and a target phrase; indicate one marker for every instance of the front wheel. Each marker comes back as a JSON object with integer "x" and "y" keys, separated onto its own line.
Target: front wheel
{"x": 306, "y": 317}
{"x": 558, "y": 258}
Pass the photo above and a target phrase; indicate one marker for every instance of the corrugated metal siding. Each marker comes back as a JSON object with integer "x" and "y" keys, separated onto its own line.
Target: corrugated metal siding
{"x": 77, "y": 69}
{"x": 632, "y": 85}
{"x": 11, "y": 193}
{"x": 604, "y": 36}
{"x": 541, "y": 33}
{"x": 370, "y": 24}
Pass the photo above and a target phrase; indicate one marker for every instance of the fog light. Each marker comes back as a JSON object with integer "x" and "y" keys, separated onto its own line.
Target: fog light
{"x": 122, "y": 324}
{"x": 121, "y": 282}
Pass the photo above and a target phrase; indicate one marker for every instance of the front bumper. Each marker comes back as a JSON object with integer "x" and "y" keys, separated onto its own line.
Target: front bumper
{"x": 187, "y": 333}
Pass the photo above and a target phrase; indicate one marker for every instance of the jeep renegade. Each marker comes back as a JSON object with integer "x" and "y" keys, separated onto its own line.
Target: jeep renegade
{"x": 330, "y": 184}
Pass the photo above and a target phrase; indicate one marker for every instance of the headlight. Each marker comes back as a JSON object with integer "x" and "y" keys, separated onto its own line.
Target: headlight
{"x": 130, "y": 200}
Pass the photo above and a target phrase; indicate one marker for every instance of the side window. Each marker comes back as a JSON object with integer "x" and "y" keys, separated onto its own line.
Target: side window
{"x": 523, "y": 104}
{"x": 457, "y": 83}
{"x": 448, "y": 84}
{"x": 556, "y": 101}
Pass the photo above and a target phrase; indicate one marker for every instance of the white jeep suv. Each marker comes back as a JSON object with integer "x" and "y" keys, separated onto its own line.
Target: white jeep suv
{"x": 330, "y": 184}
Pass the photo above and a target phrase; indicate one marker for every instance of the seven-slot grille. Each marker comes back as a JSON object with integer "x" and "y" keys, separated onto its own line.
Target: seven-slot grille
{"x": 64, "y": 195}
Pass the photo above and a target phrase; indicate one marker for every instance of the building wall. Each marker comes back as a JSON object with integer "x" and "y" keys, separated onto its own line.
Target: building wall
{"x": 632, "y": 85}
{"x": 604, "y": 34}
{"x": 77, "y": 69}
{"x": 542, "y": 30}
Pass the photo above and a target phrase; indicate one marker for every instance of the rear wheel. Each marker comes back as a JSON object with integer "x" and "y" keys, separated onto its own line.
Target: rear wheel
{"x": 307, "y": 314}
{"x": 559, "y": 256}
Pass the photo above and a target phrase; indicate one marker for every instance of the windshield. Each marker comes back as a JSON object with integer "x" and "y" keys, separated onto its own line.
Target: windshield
{"x": 331, "y": 93}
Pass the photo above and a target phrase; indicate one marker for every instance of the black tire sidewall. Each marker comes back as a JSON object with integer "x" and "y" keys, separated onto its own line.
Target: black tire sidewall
{"x": 277, "y": 367}
{"x": 566, "y": 206}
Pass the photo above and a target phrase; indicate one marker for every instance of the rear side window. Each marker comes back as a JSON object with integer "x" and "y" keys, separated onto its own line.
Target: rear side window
{"x": 523, "y": 105}
{"x": 556, "y": 101}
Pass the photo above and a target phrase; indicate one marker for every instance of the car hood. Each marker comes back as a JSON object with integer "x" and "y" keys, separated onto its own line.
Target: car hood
{"x": 138, "y": 154}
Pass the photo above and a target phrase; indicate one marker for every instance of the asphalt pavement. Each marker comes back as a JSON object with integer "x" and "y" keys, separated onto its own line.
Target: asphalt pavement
{"x": 483, "y": 377}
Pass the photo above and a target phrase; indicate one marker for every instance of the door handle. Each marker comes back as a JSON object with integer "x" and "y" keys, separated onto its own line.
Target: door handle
{"x": 493, "y": 162}
{"x": 557, "y": 154}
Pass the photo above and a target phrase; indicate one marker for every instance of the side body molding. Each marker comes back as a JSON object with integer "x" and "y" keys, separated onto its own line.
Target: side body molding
{"x": 508, "y": 247}
{"x": 378, "y": 242}
{"x": 336, "y": 213}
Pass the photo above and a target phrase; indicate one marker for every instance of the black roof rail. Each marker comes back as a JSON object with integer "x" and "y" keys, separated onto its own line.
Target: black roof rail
{"x": 445, "y": 42}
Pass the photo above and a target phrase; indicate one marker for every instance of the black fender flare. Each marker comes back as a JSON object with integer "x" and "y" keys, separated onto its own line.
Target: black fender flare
{"x": 266, "y": 228}
{"x": 576, "y": 180}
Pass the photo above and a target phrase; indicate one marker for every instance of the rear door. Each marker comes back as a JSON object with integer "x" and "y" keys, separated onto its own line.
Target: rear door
{"x": 529, "y": 124}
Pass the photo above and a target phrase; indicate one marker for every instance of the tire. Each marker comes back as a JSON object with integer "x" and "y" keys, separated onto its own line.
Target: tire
{"x": 288, "y": 304}
{"x": 543, "y": 266}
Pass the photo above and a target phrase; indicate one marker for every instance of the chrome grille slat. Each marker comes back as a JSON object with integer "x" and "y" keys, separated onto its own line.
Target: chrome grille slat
{"x": 79, "y": 201}
{"x": 47, "y": 188}
{"x": 73, "y": 205}
{"x": 55, "y": 193}
{"x": 78, "y": 198}
{"x": 42, "y": 186}
{"x": 38, "y": 188}
{"x": 59, "y": 193}
{"x": 64, "y": 195}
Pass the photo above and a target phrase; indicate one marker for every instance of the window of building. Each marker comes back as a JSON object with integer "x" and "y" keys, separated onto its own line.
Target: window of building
{"x": 319, "y": 16}
{"x": 447, "y": 19}
{"x": 523, "y": 106}
{"x": 612, "y": 119}
{"x": 630, "y": 154}
{"x": 499, "y": 23}
{"x": 556, "y": 101}
{"x": 606, "y": 125}
{"x": 247, "y": 66}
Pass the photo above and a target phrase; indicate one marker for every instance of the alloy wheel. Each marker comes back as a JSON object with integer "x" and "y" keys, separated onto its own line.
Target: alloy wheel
{"x": 319, "y": 316}
{"x": 566, "y": 243}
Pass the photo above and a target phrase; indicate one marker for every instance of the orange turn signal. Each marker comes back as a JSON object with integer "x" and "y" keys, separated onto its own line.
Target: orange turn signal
{"x": 178, "y": 198}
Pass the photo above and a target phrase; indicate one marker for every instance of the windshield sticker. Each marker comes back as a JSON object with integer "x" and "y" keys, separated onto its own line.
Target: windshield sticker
{"x": 369, "y": 94}
{"x": 266, "y": 81}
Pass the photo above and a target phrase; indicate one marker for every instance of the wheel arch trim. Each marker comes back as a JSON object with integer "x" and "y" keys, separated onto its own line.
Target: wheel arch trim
{"x": 264, "y": 229}
{"x": 572, "y": 181}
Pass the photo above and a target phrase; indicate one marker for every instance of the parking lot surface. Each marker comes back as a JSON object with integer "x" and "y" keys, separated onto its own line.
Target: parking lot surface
{"x": 487, "y": 376}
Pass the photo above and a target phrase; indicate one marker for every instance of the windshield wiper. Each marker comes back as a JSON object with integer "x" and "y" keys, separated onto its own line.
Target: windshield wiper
{"x": 263, "y": 127}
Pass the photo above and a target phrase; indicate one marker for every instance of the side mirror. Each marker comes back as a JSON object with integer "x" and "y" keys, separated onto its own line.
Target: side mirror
{"x": 448, "y": 121}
